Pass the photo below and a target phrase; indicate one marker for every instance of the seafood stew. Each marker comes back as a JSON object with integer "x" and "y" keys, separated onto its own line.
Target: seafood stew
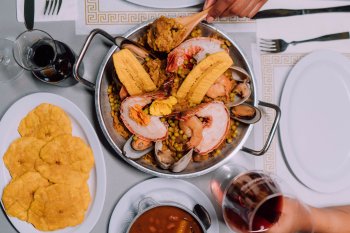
{"x": 181, "y": 112}
{"x": 169, "y": 219}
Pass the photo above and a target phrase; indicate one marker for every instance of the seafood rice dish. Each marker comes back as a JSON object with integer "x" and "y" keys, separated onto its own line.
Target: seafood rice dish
{"x": 178, "y": 105}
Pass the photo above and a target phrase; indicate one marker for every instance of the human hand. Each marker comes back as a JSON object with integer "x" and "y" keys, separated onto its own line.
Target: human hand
{"x": 224, "y": 8}
{"x": 295, "y": 217}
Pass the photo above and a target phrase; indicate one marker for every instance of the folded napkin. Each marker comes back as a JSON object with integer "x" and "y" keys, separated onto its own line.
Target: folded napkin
{"x": 67, "y": 12}
{"x": 306, "y": 26}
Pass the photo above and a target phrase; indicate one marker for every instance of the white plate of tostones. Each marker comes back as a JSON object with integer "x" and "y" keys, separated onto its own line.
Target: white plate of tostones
{"x": 52, "y": 171}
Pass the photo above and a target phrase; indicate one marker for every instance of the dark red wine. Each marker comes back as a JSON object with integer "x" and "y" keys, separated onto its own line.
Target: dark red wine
{"x": 62, "y": 66}
{"x": 268, "y": 213}
{"x": 43, "y": 54}
{"x": 252, "y": 203}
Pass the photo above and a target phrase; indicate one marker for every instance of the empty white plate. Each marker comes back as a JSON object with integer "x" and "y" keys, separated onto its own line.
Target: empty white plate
{"x": 315, "y": 123}
{"x": 167, "y": 3}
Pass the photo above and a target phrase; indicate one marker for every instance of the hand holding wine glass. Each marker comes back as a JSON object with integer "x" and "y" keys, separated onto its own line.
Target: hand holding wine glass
{"x": 257, "y": 201}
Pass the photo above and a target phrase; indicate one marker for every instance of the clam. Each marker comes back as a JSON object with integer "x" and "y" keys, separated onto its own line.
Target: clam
{"x": 242, "y": 89}
{"x": 166, "y": 160}
{"x": 131, "y": 153}
{"x": 246, "y": 113}
{"x": 243, "y": 92}
{"x": 239, "y": 74}
{"x": 182, "y": 163}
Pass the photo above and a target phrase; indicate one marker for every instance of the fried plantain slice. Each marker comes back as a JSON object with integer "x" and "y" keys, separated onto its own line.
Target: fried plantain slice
{"x": 58, "y": 206}
{"x": 22, "y": 154}
{"x": 66, "y": 159}
{"x": 19, "y": 194}
{"x": 45, "y": 122}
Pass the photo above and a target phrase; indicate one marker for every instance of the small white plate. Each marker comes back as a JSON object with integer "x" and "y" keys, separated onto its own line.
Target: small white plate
{"x": 161, "y": 190}
{"x": 315, "y": 123}
{"x": 167, "y": 4}
{"x": 81, "y": 128}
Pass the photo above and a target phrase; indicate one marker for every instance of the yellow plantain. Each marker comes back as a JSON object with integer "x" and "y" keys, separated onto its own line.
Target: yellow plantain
{"x": 203, "y": 76}
{"x": 131, "y": 73}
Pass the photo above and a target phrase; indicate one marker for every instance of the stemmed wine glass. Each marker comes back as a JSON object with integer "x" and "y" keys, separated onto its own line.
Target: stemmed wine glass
{"x": 9, "y": 69}
{"x": 258, "y": 201}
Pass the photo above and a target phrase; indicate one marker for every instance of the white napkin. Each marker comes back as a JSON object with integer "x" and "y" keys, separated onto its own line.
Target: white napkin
{"x": 306, "y": 26}
{"x": 67, "y": 12}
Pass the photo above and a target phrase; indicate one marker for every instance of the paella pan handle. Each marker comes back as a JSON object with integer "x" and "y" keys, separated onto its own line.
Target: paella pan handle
{"x": 78, "y": 62}
{"x": 272, "y": 131}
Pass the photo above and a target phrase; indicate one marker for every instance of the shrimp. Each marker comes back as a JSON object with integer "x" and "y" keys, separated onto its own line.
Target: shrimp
{"x": 215, "y": 127}
{"x": 193, "y": 128}
{"x": 222, "y": 87}
{"x": 155, "y": 129}
{"x": 196, "y": 48}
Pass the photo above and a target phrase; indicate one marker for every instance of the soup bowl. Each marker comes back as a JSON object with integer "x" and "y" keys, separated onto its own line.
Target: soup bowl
{"x": 164, "y": 217}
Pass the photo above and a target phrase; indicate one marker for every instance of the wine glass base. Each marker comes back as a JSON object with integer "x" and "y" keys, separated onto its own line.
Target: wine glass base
{"x": 9, "y": 70}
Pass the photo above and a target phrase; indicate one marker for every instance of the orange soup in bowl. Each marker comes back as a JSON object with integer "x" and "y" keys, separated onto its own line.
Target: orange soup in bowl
{"x": 166, "y": 219}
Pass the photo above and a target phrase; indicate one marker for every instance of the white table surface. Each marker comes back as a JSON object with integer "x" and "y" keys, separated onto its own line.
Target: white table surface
{"x": 117, "y": 169}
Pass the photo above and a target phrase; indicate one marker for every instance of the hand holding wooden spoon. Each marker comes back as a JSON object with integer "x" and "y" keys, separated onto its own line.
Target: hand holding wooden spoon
{"x": 225, "y": 8}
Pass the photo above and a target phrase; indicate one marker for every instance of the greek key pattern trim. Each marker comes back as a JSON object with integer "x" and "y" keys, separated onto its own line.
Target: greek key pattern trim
{"x": 268, "y": 64}
{"x": 94, "y": 16}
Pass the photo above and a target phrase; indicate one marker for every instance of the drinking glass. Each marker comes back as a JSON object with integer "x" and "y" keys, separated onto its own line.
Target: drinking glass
{"x": 9, "y": 69}
{"x": 49, "y": 60}
{"x": 254, "y": 201}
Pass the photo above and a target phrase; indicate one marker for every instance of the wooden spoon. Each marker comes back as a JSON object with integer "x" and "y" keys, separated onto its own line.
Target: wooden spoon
{"x": 190, "y": 22}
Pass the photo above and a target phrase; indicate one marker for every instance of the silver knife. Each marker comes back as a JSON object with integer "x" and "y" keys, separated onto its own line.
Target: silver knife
{"x": 287, "y": 12}
{"x": 29, "y": 7}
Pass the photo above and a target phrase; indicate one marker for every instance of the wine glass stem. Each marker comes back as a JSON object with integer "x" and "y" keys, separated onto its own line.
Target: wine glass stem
{"x": 4, "y": 60}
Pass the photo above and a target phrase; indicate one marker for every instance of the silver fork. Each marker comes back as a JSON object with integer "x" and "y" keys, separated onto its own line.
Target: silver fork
{"x": 279, "y": 45}
{"x": 52, "y": 3}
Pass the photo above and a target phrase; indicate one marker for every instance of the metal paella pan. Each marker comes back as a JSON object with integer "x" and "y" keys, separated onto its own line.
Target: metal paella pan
{"x": 103, "y": 109}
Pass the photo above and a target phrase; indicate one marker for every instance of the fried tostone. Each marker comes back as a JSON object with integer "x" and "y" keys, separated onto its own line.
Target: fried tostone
{"x": 45, "y": 122}
{"x": 19, "y": 194}
{"x": 58, "y": 206}
{"x": 66, "y": 160}
{"x": 22, "y": 155}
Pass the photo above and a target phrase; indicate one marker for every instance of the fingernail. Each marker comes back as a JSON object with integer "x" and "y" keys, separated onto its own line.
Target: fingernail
{"x": 210, "y": 19}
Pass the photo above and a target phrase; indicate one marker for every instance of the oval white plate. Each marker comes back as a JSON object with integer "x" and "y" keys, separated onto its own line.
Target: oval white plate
{"x": 81, "y": 128}
{"x": 167, "y": 3}
{"x": 315, "y": 124}
{"x": 161, "y": 190}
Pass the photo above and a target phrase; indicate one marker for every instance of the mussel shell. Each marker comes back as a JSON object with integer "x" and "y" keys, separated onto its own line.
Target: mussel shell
{"x": 129, "y": 152}
{"x": 133, "y": 46}
{"x": 244, "y": 119}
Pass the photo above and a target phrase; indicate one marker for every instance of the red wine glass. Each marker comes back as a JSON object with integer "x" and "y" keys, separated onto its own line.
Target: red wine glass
{"x": 254, "y": 201}
{"x": 49, "y": 60}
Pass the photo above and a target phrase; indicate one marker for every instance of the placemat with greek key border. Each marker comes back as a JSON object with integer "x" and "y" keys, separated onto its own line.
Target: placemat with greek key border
{"x": 271, "y": 73}
{"x": 118, "y": 16}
